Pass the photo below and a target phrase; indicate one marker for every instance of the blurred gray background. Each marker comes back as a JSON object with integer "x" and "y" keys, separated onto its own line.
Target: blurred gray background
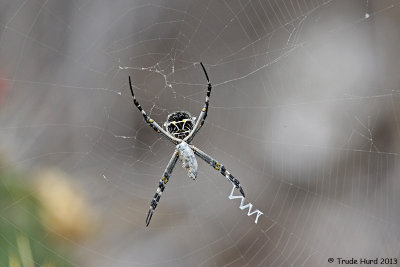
{"x": 304, "y": 112}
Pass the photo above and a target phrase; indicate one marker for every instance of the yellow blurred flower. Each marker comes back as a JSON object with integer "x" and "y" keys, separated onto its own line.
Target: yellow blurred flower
{"x": 65, "y": 210}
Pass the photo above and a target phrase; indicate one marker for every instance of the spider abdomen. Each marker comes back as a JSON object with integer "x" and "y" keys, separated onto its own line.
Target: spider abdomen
{"x": 188, "y": 159}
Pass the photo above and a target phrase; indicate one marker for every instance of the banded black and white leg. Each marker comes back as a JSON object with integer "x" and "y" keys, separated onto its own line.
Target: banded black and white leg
{"x": 219, "y": 167}
{"x": 204, "y": 111}
{"x": 149, "y": 120}
{"x": 161, "y": 186}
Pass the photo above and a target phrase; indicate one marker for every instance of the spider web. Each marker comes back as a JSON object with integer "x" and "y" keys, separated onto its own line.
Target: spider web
{"x": 304, "y": 112}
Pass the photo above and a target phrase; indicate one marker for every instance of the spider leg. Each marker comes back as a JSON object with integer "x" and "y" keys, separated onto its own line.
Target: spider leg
{"x": 219, "y": 167}
{"x": 149, "y": 120}
{"x": 204, "y": 111}
{"x": 161, "y": 186}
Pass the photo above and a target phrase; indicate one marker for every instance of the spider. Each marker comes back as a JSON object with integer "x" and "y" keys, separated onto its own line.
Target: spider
{"x": 180, "y": 129}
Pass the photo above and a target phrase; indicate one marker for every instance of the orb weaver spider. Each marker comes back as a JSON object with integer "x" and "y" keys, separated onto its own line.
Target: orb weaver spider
{"x": 180, "y": 129}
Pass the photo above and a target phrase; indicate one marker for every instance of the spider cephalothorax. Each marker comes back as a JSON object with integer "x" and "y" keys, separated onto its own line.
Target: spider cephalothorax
{"x": 179, "y": 124}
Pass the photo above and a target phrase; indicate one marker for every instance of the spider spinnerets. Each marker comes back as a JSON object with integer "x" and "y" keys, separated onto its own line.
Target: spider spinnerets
{"x": 179, "y": 124}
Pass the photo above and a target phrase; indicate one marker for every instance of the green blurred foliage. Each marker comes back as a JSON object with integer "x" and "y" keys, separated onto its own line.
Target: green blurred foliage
{"x": 24, "y": 240}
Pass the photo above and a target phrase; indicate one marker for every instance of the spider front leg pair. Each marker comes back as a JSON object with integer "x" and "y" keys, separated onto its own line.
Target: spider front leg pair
{"x": 180, "y": 129}
{"x": 179, "y": 125}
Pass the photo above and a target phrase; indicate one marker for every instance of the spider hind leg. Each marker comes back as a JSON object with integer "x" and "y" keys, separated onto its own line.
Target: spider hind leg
{"x": 231, "y": 178}
{"x": 218, "y": 167}
{"x": 161, "y": 187}
{"x": 149, "y": 215}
